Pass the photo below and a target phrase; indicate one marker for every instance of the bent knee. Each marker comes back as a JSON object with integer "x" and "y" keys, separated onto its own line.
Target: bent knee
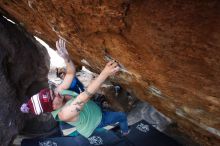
{"x": 122, "y": 116}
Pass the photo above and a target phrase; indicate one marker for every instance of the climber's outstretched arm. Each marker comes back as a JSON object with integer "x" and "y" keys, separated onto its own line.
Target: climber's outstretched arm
{"x": 70, "y": 68}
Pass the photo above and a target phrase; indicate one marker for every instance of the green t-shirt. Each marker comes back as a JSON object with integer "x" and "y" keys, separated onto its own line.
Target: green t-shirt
{"x": 89, "y": 117}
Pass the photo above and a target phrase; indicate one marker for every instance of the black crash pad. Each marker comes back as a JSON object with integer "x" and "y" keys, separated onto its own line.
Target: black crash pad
{"x": 144, "y": 134}
{"x": 141, "y": 134}
{"x": 102, "y": 137}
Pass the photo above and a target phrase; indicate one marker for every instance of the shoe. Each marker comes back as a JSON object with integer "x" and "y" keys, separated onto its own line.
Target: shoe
{"x": 125, "y": 133}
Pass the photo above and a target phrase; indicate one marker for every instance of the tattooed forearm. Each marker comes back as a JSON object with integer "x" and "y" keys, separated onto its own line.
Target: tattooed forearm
{"x": 76, "y": 106}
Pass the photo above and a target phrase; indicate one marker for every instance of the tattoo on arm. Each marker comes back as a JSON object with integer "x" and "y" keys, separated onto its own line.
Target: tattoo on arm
{"x": 77, "y": 109}
{"x": 78, "y": 103}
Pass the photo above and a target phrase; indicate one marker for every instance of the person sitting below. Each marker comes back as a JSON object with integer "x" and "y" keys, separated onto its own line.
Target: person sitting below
{"x": 75, "y": 86}
{"x": 77, "y": 109}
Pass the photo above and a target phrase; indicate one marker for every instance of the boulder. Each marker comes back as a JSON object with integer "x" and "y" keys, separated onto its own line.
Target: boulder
{"x": 169, "y": 51}
{"x": 24, "y": 65}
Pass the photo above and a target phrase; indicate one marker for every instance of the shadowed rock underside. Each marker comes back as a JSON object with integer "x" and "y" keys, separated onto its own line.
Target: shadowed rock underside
{"x": 169, "y": 51}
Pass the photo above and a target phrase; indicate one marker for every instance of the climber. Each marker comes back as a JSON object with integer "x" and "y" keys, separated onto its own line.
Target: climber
{"x": 76, "y": 109}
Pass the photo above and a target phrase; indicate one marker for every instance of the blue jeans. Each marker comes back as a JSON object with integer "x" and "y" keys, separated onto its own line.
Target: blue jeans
{"x": 76, "y": 86}
{"x": 109, "y": 118}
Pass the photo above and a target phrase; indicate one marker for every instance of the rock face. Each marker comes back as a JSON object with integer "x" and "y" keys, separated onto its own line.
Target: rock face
{"x": 169, "y": 51}
{"x": 23, "y": 70}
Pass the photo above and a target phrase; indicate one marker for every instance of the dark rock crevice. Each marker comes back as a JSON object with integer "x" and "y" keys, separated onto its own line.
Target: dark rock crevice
{"x": 24, "y": 66}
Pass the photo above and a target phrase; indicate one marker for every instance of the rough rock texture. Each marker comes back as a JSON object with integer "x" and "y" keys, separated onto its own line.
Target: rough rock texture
{"x": 23, "y": 70}
{"x": 169, "y": 50}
